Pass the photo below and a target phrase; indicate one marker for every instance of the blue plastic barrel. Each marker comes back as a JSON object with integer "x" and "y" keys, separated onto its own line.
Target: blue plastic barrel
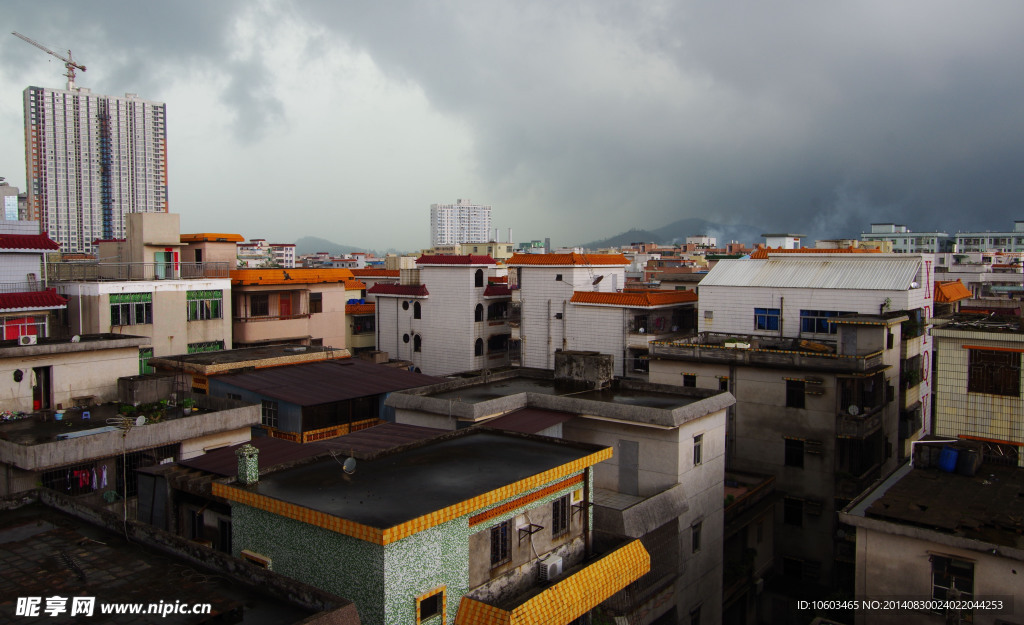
{"x": 948, "y": 458}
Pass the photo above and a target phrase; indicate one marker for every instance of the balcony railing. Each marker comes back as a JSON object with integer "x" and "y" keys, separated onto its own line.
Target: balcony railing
{"x": 22, "y": 287}
{"x": 858, "y": 427}
{"x": 94, "y": 272}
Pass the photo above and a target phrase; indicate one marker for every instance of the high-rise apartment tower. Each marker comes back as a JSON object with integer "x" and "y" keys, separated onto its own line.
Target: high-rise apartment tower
{"x": 461, "y": 222}
{"x": 91, "y": 159}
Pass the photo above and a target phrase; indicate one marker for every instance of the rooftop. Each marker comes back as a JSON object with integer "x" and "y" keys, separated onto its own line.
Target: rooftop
{"x": 634, "y": 299}
{"x": 409, "y": 484}
{"x": 978, "y": 323}
{"x": 455, "y": 259}
{"x": 407, "y": 290}
{"x": 219, "y": 237}
{"x": 31, "y": 300}
{"x": 567, "y": 260}
{"x": 85, "y": 343}
{"x": 327, "y": 381}
{"x": 231, "y": 359}
{"x": 299, "y": 275}
{"x": 375, "y": 272}
{"x": 988, "y": 506}
{"x": 27, "y": 243}
{"x": 871, "y": 272}
{"x": 47, "y": 553}
{"x": 763, "y": 252}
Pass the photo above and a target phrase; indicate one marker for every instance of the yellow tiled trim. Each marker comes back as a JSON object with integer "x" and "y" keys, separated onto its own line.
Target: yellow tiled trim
{"x": 524, "y": 500}
{"x": 444, "y": 604}
{"x": 404, "y": 530}
{"x": 568, "y": 598}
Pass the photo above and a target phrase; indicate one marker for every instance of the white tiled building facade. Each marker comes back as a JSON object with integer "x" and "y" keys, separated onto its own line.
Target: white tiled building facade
{"x": 90, "y": 159}
{"x": 461, "y": 222}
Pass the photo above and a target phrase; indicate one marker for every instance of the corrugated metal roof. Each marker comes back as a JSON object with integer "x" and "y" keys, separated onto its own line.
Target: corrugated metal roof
{"x": 327, "y": 381}
{"x": 869, "y": 272}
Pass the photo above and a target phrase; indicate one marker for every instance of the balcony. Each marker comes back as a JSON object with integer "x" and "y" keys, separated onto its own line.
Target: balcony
{"x": 98, "y": 272}
{"x": 574, "y": 593}
{"x": 763, "y": 351}
{"x": 860, "y": 426}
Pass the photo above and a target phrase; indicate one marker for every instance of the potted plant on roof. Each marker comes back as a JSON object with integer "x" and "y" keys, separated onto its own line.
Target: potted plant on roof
{"x": 187, "y": 405}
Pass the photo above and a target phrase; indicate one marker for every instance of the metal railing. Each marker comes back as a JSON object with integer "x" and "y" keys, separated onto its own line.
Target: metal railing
{"x": 22, "y": 287}
{"x": 94, "y": 272}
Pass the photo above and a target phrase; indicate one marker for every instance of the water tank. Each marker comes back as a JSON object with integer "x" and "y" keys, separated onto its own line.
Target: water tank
{"x": 948, "y": 458}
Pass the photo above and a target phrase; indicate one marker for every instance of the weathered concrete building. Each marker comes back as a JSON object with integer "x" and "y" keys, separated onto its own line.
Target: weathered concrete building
{"x": 471, "y": 526}
{"x": 662, "y": 486}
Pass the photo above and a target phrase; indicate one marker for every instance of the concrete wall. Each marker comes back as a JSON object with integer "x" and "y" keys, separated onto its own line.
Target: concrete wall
{"x": 890, "y": 566}
{"x": 327, "y": 326}
{"x": 73, "y": 374}
{"x": 147, "y": 233}
{"x": 171, "y": 332}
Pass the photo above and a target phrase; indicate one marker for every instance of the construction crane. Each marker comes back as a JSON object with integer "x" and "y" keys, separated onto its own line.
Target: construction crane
{"x": 69, "y": 63}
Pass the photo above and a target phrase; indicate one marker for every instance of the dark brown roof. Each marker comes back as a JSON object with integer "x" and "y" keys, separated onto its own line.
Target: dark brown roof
{"x": 529, "y": 420}
{"x": 273, "y": 451}
{"x": 412, "y": 290}
{"x": 326, "y": 381}
{"x": 369, "y": 442}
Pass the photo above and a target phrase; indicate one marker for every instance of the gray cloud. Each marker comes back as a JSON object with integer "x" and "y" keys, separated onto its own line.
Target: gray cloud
{"x": 591, "y": 117}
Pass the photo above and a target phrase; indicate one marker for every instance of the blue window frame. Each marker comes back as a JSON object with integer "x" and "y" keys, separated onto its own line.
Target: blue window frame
{"x": 767, "y": 318}
{"x": 819, "y": 321}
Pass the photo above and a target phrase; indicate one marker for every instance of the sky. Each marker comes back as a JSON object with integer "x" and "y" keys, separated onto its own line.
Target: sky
{"x": 574, "y": 120}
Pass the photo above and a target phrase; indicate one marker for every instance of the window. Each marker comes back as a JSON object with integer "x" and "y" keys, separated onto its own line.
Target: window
{"x": 952, "y": 578}
{"x": 430, "y": 606}
{"x": 478, "y": 313}
{"x": 316, "y": 303}
{"x": 259, "y": 305}
{"x": 690, "y": 379}
{"x": 269, "y": 413}
{"x": 501, "y": 544}
{"x": 695, "y": 616}
{"x": 478, "y": 347}
{"x": 766, "y": 318}
{"x": 478, "y": 278}
{"x": 417, "y": 311}
{"x": 363, "y": 324}
{"x": 793, "y": 511}
{"x": 795, "y": 397}
{"x": 560, "y": 516}
{"x": 205, "y": 346}
{"x": 695, "y": 530}
{"x": 558, "y": 277}
{"x": 130, "y": 309}
{"x": 723, "y": 384}
{"x": 794, "y": 453}
{"x": 993, "y": 372}
{"x": 819, "y": 321}
{"x": 205, "y": 305}
{"x": 698, "y": 443}
{"x": 417, "y": 343}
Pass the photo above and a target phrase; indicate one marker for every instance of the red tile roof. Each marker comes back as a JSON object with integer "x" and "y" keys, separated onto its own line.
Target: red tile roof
{"x": 497, "y": 290}
{"x": 359, "y": 309}
{"x": 33, "y": 300}
{"x": 27, "y": 242}
{"x": 567, "y": 260}
{"x": 370, "y": 272}
{"x": 410, "y": 290}
{"x": 461, "y": 259}
{"x": 949, "y": 292}
{"x": 634, "y": 299}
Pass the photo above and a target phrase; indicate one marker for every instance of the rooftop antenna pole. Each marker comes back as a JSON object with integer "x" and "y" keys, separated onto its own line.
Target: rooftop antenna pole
{"x": 69, "y": 63}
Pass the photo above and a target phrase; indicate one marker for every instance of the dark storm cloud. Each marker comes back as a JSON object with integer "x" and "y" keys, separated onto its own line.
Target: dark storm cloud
{"x": 592, "y": 117}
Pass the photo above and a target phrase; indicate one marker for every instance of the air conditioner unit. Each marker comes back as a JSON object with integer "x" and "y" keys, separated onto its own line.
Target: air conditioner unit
{"x": 550, "y": 568}
{"x": 27, "y": 339}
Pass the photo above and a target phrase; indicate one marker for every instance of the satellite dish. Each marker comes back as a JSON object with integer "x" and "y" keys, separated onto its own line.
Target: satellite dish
{"x": 915, "y": 285}
{"x": 597, "y": 279}
{"x": 140, "y": 421}
{"x": 76, "y": 339}
{"x": 854, "y": 409}
{"x": 349, "y": 465}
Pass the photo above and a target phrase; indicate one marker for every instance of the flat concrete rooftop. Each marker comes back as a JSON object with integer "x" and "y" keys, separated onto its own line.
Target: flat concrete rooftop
{"x": 512, "y": 386}
{"x": 408, "y": 484}
{"x": 46, "y": 553}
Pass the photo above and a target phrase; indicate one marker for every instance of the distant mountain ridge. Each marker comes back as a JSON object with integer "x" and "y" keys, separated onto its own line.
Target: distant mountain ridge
{"x": 677, "y": 231}
{"x": 312, "y": 245}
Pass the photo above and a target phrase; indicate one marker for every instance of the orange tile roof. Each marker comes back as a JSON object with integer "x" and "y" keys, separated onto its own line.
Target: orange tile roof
{"x": 952, "y": 291}
{"x": 762, "y": 252}
{"x": 359, "y": 309}
{"x": 295, "y": 276}
{"x": 566, "y": 260}
{"x": 634, "y": 299}
{"x": 370, "y": 272}
{"x": 211, "y": 236}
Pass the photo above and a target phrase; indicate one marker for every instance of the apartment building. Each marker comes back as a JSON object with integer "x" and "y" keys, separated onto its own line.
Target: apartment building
{"x": 143, "y": 287}
{"x": 469, "y": 527}
{"x": 446, "y": 316}
{"x": 258, "y": 253}
{"x": 663, "y": 486}
{"x": 828, "y": 358}
{"x": 299, "y": 306}
{"x": 905, "y": 241}
{"x": 91, "y": 160}
{"x": 460, "y": 222}
{"x": 1011, "y": 241}
{"x": 994, "y": 279}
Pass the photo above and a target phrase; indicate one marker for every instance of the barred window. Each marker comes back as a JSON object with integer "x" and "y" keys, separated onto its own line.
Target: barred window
{"x": 501, "y": 544}
{"x": 205, "y": 305}
{"x": 269, "y": 413}
{"x": 130, "y": 309}
{"x": 993, "y": 372}
{"x": 560, "y": 516}
{"x": 819, "y": 321}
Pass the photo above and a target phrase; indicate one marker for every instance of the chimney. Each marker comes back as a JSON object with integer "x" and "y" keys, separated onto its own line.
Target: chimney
{"x": 248, "y": 464}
